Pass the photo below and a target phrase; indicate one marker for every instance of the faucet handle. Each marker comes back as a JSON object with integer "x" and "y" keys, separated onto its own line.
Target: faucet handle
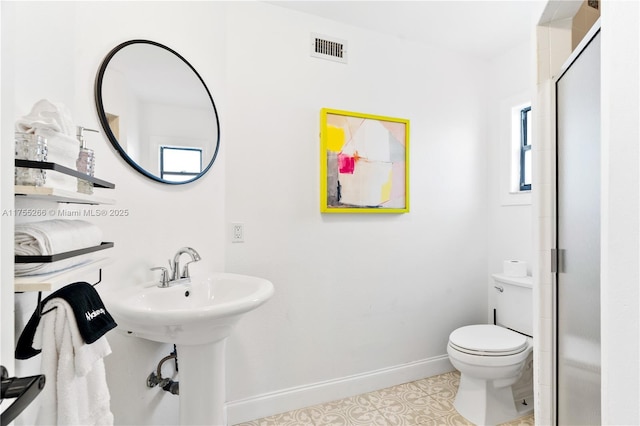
{"x": 164, "y": 280}
{"x": 185, "y": 270}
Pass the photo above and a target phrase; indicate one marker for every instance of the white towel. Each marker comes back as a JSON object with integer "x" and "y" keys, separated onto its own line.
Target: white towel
{"x": 53, "y": 237}
{"x": 53, "y": 122}
{"x": 47, "y": 115}
{"x": 76, "y": 391}
{"x": 27, "y": 269}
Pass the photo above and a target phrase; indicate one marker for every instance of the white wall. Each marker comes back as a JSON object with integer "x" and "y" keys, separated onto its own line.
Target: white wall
{"x": 620, "y": 298}
{"x": 354, "y": 293}
{"x": 362, "y": 301}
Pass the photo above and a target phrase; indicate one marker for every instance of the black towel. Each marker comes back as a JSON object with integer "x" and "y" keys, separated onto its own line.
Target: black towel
{"x": 91, "y": 316}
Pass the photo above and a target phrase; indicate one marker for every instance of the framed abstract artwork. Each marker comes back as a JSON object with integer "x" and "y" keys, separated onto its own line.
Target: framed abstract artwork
{"x": 364, "y": 163}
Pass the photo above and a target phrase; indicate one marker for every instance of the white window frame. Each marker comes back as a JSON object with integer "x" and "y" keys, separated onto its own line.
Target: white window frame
{"x": 510, "y": 111}
{"x": 525, "y": 146}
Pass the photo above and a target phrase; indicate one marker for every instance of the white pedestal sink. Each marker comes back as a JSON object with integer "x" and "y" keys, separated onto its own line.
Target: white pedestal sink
{"x": 196, "y": 317}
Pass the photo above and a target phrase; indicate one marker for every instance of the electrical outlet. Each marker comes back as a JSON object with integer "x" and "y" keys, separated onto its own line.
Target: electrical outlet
{"x": 237, "y": 233}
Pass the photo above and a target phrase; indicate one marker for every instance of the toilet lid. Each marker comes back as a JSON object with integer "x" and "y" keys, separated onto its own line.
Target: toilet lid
{"x": 487, "y": 339}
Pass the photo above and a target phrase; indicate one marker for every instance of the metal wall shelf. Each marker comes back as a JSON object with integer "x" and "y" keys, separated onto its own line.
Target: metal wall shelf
{"x": 59, "y": 195}
{"x": 61, "y": 256}
{"x": 56, "y": 280}
{"x": 98, "y": 183}
{"x": 51, "y": 281}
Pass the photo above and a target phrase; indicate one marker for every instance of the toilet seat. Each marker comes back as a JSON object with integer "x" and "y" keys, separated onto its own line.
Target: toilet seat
{"x": 487, "y": 340}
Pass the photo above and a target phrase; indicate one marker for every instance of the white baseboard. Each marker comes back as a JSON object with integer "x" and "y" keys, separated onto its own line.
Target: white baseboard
{"x": 271, "y": 403}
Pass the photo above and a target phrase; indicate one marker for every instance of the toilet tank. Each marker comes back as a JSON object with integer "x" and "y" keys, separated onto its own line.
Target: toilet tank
{"x": 514, "y": 304}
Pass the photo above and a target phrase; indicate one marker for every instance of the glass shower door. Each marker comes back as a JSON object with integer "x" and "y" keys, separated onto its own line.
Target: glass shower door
{"x": 578, "y": 240}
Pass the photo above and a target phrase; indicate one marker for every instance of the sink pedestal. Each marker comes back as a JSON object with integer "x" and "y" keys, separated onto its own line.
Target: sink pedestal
{"x": 202, "y": 384}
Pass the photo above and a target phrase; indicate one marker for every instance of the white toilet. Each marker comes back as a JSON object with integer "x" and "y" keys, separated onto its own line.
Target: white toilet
{"x": 496, "y": 361}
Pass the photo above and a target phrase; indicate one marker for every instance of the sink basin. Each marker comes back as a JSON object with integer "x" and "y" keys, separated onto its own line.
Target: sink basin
{"x": 203, "y": 311}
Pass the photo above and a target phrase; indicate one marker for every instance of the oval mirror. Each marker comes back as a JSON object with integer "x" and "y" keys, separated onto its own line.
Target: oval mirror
{"x": 157, "y": 112}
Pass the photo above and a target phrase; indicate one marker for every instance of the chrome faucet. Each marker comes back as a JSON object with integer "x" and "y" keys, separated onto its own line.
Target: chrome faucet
{"x": 175, "y": 266}
{"x": 175, "y": 277}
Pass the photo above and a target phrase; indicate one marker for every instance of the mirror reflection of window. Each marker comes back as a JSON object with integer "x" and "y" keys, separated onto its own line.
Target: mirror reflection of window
{"x": 180, "y": 164}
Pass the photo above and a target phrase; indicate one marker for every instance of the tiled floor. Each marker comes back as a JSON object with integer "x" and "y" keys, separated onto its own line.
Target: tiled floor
{"x": 425, "y": 402}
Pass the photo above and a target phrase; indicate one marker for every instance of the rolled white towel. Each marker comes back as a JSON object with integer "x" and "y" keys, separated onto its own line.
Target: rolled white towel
{"x": 53, "y": 122}
{"x": 56, "y": 236}
{"x": 27, "y": 269}
{"x": 47, "y": 115}
{"x": 53, "y": 237}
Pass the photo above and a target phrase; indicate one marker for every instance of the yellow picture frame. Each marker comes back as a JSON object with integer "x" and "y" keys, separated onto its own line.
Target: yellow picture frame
{"x": 364, "y": 163}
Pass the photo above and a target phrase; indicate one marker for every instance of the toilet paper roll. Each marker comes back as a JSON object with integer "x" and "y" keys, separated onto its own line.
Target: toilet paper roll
{"x": 515, "y": 268}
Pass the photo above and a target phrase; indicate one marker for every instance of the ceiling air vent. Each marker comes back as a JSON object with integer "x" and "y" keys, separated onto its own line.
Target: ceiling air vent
{"x": 329, "y": 48}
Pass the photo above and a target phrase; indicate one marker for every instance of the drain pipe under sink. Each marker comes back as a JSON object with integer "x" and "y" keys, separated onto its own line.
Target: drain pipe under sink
{"x": 155, "y": 378}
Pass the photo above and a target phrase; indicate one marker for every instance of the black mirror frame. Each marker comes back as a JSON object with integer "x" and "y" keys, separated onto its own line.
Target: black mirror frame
{"x": 105, "y": 124}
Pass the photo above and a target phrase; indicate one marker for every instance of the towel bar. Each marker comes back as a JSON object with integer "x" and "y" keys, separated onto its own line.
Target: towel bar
{"x": 23, "y": 389}
{"x": 39, "y": 307}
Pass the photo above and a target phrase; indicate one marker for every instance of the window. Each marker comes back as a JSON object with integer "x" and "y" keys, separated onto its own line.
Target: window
{"x": 515, "y": 156}
{"x": 525, "y": 149}
{"x": 180, "y": 164}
